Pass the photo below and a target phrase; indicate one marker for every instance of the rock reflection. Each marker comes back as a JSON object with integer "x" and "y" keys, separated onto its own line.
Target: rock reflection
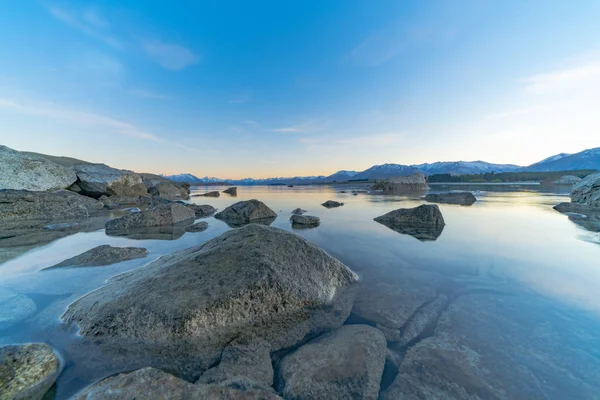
{"x": 422, "y": 233}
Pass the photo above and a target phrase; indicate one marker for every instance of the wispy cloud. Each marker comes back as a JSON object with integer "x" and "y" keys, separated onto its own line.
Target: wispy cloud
{"x": 149, "y": 94}
{"x": 562, "y": 79}
{"x": 170, "y": 56}
{"x": 80, "y": 118}
{"x": 304, "y": 127}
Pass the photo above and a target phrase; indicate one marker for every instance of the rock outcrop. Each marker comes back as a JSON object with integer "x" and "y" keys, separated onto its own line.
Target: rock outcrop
{"x": 21, "y": 171}
{"x": 197, "y": 227}
{"x": 587, "y": 192}
{"x": 307, "y": 220}
{"x": 165, "y": 215}
{"x": 232, "y": 191}
{"x": 460, "y": 198}
{"x": 202, "y": 211}
{"x": 170, "y": 191}
{"x": 247, "y": 211}
{"x": 344, "y": 364}
{"x": 181, "y": 311}
{"x": 27, "y": 371}
{"x": 402, "y": 184}
{"x": 424, "y": 222}
{"x": 102, "y": 255}
{"x": 95, "y": 180}
{"x": 332, "y": 204}
{"x": 22, "y": 205}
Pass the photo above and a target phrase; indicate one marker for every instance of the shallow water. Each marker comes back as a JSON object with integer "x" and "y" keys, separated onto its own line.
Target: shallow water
{"x": 511, "y": 239}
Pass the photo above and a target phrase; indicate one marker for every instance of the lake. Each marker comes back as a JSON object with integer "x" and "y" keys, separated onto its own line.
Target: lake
{"x": 513, "y": 286}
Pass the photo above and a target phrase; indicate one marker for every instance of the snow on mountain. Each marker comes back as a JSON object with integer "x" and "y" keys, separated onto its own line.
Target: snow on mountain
{"x": 386, "y": 171}
{"x": 553, "y": 158}
{"x": 464, "y": 167}
{"x": 587, "y": 159}
{"x": 342, "y": 175}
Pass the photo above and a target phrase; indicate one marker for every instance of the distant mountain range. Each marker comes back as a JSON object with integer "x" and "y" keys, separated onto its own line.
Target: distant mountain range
{"x": 587, "y": 159}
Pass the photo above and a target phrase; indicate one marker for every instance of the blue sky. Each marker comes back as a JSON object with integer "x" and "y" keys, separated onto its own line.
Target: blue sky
{"x": 280, "y": 88}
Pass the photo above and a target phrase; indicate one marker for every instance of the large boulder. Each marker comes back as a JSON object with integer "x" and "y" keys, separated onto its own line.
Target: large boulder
{"x": 170, "y": 191}
{"x": 587, "y": 192}
{"x": 203, "y": 210}
{"x": 461, "y": 198}
{"x": 102, "y": 255}
{"x": 344, "y": 364}
{"x": 95, "y": 180}
{"x": 181, "y": 311}
{"x": 21, "y": 171}
{"x": 165, "y": 215}
{"x": 27, "y": 371}
{"x": 424, "y": 222}
{"x": 305, "y": 220}
{"x": 232, "y": 191}
{"x": 245, "y": 212}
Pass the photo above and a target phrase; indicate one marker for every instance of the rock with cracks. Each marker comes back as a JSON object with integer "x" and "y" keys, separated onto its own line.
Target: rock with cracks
{"x": 102, "y": 255}
{"x": 587, "y": 192}
{"x": 181, "y": 311}
{"x": 247, "y": 211}
{"x": 165, "y": 215}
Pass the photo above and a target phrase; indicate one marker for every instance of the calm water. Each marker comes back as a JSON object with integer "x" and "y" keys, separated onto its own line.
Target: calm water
{"x": 510, "y": 238}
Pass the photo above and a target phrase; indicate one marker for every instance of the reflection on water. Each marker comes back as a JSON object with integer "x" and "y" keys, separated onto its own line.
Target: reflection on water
{"x": 422, "y": 233}
{"x": 511, "y": 238}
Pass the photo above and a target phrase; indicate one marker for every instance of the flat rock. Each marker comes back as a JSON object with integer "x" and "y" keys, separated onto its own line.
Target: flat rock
{"x": 346, "y": 363}
{"x": 210, "y": 194}
{"x": 14, "y": 308}
{"x": 424, "y": 222}
{"x": 461, "y": 198}
{"x": 232, "y": 191}
{"x": 197, "y": 227}
{"x": 164, "y": 215}
{"x": 245, "y": 212}
{"x": 102, "y": 255}
{"x": 305, "y": 220}
{"x": 21, "y": 171}
{"x": 298, "y": 211}
{"x": 248, "y": 359}
{"x": 332, "y": 204}
{"x": 185, "y": 308}
{"x": 170, "y": 191}
{"x": 587, "y": 192}
{"x": 95, "y": 180}
{"x": 202, "y": 211}
{"x": 27, "y": 371}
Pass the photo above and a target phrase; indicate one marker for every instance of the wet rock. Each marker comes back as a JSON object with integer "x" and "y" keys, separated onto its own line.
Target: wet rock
{"x": 307, "y": 220}
{"x": 22, "y": 205}
{"x": 95, "y": 180}
{"x": 202, "y": 210}
{"x": 209, "y": 194}
{"x": 232, "y": 191}
{"x": 587, "y": 192}
{"x": 332, "y": 204}
{"x": 14, "y": 308}
{"x": 27, "y": 371}
{"x": 248, "y": 359}
{"x": 244, "y": 212}
{"x": 298, "y": 211}
{"x": 197, "y": 227}
{"x": 415, "y": 183}
{"x": 165, "y": 215}
{"x": 22, "y": 171}
{"x": 424, "y": 222}
{"x": 567, "y": 180}
{"x": 424, "y": 318}
{"x": 102, "y": 255}
{"x": 344, "y": 364}
{"x": 170, "y": 191}
{"x": 182, "y": 310}
{"x": 461, "y": 198}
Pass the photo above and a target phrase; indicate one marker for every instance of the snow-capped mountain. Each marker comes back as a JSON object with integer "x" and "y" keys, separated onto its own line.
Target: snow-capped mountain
{"x": 587, "y": 159}
{"x": 464, "y": 167}
{"x": 341, "y": 176}
{"x": 386, "y": 171}
{"x": 189, "y": 178}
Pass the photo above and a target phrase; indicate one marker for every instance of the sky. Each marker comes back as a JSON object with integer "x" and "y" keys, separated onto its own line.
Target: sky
{"x": 283, "y": 88}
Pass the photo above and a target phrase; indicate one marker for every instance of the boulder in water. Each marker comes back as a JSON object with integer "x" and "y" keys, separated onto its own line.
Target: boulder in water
{"x": 232, "y": 191}
{"x": 247, "y": 211}
{"x": 298, "y": 211}
{"x": 209, "y": 194}
{"x": 202, "y": 211}
{"x": 197, "y": 227}
{"x": 164, "y": 215}
{"x": 305, "y": 220}
{"x": 95, "y": 180}
{"x": 332, "y": 204}
{"x": 102, "y": 255}
{"x": 424, "y": 222}
{"x": 460, "y": 198}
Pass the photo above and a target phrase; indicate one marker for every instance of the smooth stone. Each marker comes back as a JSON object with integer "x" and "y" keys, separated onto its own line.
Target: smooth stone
{"x": 460, "y": 198}
{"x": 102, "y": 255}
{"x": 232, "y": 191}
{"x": 170, "y": 191}
{"x": 245, "y": 212}
{"x": 424, "y": 222}
{"x": 95, "y": 180}
{"x": 332, "y": 204}
{"x": 298, "y": 211}
{"x": 14, "y": 308}
{"x": 197, "y": 227}
{"x": 202, "y": 210}
{"x": 346, "y": 363}
{"x": 27, "y": 371}
{"x": 587, "y": 192}
{"x": 182, "y": 310}
{"x": 305, "y": 220}
{"x": 164, "y": 215}
{"x": 22, "y": 171}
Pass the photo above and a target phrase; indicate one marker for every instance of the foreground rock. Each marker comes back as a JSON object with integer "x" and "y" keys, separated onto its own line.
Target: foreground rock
{"x": 27, "y": 371}
{"x": 244, "y": 212}
{"x": 202, "y": 211}
{"x": 22, "y": 205}
{"x": 14, "y": 308}
{"x": 95, "y": 180}
{"x": 587, "y": 192}
{"x": 567, "y": 180}
{"x": 424, "y": 222}
{"x": 461, "y": 198}
{"x": 197, "y": 227}
{"x": 150, "y": 383}
{"x": 21, "y": 171}
{"x": 170, "y": 191}
{"x": 181, "y": 311}
{"x": 344, "y": 364}
{"x": 306, "y": 220}
{"x": 232, "y": 191}
{"x": 165, "y": 215}
{"x": 402, "y": 184}
{"x": 332, "y": 204}
{"x": 103, "y": 255}
{"x": 298, "y": 211}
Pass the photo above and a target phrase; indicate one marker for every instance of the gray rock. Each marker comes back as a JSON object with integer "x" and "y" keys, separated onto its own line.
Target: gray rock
{"x": 21, "y": 171}
{"x": 22, "y": 205}
{"x": 415, "y": 183}
{"x": 587, "y": 192}
{"x": 14, "y": 308}
{"x": 332, "y": 204}
{"x": 209, "y": 194}
{"x": 305, "y": 220}
{"x": 102, "y": 255}
{"x": 27, "y": 371}
{"x": 245, "y": 212}
{"x": 170, "y": 191}
{"x": 298, "y": 211}
{"x": 197, "y": 227}
{"x": 250, "y": 360}
{"x": 575, "y": 208}
{"x": 424, "y": 222}
{"x": 232, "y": 191}
{"x": 567, "y": 180}
{"x": 202, "y": 211}
{"x": 120, "y": 201}
{"x": 182, "y": 310}
{"x": 165, "y": 215}
{"x": 344, "y": 364}
{"x": 461, "y": 198}
{"x": 95, "y": 180}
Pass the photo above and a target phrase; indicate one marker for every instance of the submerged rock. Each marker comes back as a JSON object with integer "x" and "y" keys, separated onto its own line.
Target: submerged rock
{"x": 461, "y": 198}
{"x": 307, "y": 220}
{"x": 202, "y": 211}
{"x": 27, "y": 371}
{"x": 232, "y": 191}
{"x": 95, "y": 180}
{"x": 298, "y": 211}
{"x": 22, "y": 171}
{"x": 182, "y": 310}
{"x": 344, "y": 364}
{"x": 197, "y": 227}
{"x": 247, "y": 211}
{"x": 165, "y": 215}
{"x": 587, "y": 192}
{"x": 332, "y": 204}
{"x": 424, "y": 222}
{"x": 14, "y": 308}
{"x": 102, "y": 255}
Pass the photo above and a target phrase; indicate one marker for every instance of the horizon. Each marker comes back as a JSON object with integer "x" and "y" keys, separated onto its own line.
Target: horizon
{"x": 271, "y": 89}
